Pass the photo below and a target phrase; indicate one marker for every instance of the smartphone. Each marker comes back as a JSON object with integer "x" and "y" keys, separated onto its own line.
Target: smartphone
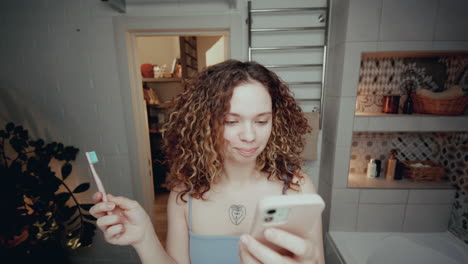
{"x": 297, "y": 214}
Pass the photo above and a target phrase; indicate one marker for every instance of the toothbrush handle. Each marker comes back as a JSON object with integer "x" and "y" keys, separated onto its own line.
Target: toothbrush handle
{"x": 99, "y": 184}
{"x": 98, "y": 181}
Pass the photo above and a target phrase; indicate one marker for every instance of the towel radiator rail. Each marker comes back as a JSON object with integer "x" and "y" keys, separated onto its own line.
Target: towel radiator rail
{"x": 324, "y": 17}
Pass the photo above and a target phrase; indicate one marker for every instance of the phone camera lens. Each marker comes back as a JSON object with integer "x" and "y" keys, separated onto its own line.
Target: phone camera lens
{"x": 272, "y": 211}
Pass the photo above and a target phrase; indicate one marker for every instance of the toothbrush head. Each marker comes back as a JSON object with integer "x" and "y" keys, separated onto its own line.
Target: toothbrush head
{"x": 92, "y": 157}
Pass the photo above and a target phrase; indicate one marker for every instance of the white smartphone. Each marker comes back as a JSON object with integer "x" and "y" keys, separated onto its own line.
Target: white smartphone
{"x": 297, "y": 214}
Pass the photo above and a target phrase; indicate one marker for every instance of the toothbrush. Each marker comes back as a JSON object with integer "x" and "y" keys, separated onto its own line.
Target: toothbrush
{"x": 93, "y": 159}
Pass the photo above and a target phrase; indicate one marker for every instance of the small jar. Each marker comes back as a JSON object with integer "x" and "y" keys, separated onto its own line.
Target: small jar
{"x": 391, "y": 103}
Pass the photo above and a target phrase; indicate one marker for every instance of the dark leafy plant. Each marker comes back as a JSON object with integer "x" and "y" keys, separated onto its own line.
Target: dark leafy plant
{"x": 35, "y": 212}
{"x": 410, "y": 80}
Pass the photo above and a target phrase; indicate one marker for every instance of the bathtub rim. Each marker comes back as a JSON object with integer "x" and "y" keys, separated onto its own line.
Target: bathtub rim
{"x": 346, "y": 259}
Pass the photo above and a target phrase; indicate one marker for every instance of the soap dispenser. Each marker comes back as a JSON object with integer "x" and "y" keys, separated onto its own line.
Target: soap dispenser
{"x": 391, "y": 166}
{"x": 371, "y": 169}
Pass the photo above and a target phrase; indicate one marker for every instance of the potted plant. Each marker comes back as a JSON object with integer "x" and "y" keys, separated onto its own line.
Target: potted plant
{"x": 410, "y": 81}
{"x": 40, "y": 210}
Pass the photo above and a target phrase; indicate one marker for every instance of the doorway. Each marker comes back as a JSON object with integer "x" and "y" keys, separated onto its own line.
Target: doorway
{"x": 164, "y": 61}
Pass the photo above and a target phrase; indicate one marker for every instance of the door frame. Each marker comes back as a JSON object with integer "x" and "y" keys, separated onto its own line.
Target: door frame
{"x": 126, "y": 28}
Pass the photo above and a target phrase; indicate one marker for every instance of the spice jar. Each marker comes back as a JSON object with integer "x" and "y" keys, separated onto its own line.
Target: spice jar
{"x": 391, "y": 104}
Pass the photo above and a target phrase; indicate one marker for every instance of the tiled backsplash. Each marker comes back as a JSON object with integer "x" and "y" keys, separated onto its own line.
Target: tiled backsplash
{"x": 454, "y": 156}
{"x": 377, "y": 145}
{"x": 448, "y": 149}
{"x": 386, "y": 75}
{"x": 458, "y": 223}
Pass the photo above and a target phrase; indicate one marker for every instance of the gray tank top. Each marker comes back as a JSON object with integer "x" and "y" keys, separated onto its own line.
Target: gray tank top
{"x": 213, "y": 249}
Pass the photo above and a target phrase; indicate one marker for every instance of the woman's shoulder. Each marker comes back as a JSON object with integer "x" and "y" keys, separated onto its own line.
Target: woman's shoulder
{"x": 176, "y": 206}
{"x": 304, "y": 182}
{"x": 178, "y": 199}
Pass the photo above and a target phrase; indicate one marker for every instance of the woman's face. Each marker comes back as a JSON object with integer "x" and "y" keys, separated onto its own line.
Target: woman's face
{"x": 247, "y": 125}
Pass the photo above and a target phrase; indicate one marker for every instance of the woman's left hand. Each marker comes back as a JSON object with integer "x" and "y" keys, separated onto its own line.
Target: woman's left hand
{"x": 302, "y": 249}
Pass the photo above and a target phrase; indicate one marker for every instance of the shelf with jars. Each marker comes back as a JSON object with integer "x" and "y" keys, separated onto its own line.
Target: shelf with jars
{"x": 441, "y": 157}
{"x": 414, "y": 103}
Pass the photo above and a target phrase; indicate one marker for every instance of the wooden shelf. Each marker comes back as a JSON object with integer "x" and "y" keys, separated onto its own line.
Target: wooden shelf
{"x": 380, "y": 122}
{"x": 162, "y": 79}
{"x": 356, "y": 180}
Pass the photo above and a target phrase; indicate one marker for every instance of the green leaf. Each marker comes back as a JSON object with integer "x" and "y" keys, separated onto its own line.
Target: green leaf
{"x": 86, "y": 240}
{"x": 89, "y": 226}
{"x": 15, "y": 144}
{"x": 89, "y": 217}
{"x": 87, "y": 237}
{"x": 18, "y": 129}
{"x": 22, "y": 156}
{"x": 69, "y": 153}
{"x": 66, "y": 170}
{"x": 86, "y": 206}
{"x": 81, "y": 188}
{"x": 68, "y": 212}
{"x": 24, "y": 135}
{"x": 73, "y": 210}
{"x": 22, "y": 211}
{"x": 74, "y": 220}
{"x": 31, "y": 165}
{"x": 40, "y": 142}
{"x": 62, "y": 198}
{"x": 73, "y": 233}
{"x": 9, "y": 127}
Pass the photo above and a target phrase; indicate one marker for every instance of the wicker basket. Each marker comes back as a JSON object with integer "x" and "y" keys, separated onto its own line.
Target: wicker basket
{"x": 427, "y": 105}
{"x": 434, "y": 173}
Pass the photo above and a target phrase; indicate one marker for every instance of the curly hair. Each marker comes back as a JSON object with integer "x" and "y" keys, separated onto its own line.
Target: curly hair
{"x": 193, "y": 134}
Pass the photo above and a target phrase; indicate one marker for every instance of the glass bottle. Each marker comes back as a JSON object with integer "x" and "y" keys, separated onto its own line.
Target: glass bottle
{"x": 408, "y": 105}
{"x": 371, "y": 169}
{"x": 391, "y": 166}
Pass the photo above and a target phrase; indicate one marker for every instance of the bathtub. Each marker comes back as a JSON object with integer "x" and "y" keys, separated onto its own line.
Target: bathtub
{"x": 391, "y": 248}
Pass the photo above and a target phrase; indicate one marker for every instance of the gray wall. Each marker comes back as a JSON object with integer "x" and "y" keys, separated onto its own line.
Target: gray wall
{"x": 59, "y": 77}
{"x": 369, "y": 26}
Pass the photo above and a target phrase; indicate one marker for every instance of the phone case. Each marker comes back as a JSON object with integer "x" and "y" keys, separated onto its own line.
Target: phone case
{"x": 296, "y": 214}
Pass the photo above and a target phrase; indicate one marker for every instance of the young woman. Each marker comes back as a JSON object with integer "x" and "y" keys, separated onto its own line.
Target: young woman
{"x": 233, "y": 137}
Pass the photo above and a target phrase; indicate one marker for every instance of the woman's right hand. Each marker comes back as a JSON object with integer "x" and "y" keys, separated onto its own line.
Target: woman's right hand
{"x": 127, "y": 224}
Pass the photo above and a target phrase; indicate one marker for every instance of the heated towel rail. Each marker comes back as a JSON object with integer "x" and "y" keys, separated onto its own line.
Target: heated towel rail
{"x": 322, "y": 15}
